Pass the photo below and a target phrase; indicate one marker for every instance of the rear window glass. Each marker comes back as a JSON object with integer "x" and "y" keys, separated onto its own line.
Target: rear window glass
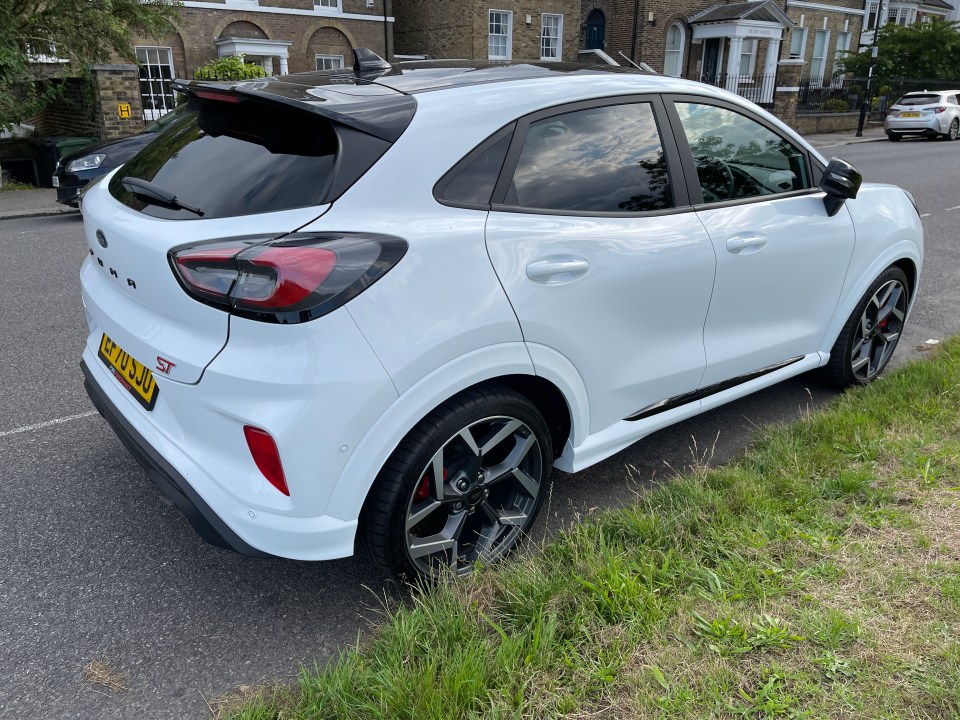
{"x": 230, "y": 159}
{"x": 910, "y": 100}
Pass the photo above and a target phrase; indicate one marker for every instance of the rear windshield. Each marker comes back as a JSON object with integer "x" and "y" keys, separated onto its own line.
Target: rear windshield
{"x": 228, "y": 159}
{"x": 911, "y": 100}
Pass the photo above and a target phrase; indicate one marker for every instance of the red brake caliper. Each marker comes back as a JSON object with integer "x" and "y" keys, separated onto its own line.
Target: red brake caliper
{"x": 423, "y": 489}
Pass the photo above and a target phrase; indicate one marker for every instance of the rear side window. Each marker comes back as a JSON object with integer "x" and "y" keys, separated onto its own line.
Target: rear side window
{"x": 605, "y": 159}
{"x": 230, "y": 159}
{"x": 473, "y": 182}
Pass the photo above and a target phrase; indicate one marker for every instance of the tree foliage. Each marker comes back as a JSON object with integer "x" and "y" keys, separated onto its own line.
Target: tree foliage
{"x": 78, "y": 31}
{"x": 922, "y": 51}
{"x": 231, "y": 67}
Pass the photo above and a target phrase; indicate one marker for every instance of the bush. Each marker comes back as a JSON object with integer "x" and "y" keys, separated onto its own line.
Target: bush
{"x": 836, "y": 105}
{"x": 228, "y": 68}
{"x": 884, "y": 91}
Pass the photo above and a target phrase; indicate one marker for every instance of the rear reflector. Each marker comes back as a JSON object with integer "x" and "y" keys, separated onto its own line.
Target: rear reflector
{"x": 265, "y": 455}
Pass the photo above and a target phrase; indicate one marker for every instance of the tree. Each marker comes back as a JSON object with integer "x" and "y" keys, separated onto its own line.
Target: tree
{"x": 922, "y": 51}
{"x": 78, "y": 31}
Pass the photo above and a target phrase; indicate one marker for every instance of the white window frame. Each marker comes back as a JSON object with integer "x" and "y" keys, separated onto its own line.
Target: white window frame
{"x": 748, "y": 49}
{"x": 153, "y": 112}
{"x": 333, "y": 6}
{"x": 803, "y": 43}
{"x": 509, "y": 34}
{"x": 336, "y": 58}
{"x": 871, "y": 8}
{"x": 816, "y": 73}
{"x": 674, "y": 55}
{"x": 559, "y": 55}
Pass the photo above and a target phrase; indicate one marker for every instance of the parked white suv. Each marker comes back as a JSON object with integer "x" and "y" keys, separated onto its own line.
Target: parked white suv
{"x": 332, "y": 307}
{"x": 929, "y": 114}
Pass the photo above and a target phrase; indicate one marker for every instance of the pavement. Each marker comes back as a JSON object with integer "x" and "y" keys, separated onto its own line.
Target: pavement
{"x": 40, "y": 202}
{"x": 36, "y": 202}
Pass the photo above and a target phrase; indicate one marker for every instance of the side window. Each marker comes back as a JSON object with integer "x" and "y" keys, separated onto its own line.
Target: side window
{"x": 603, "y": 159}
{"x": 737, "y": 157}
{"x": 473, "y": 183}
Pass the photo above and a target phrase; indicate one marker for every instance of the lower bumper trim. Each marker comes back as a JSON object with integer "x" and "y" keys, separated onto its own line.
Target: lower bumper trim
{"x": 205, "y": 522}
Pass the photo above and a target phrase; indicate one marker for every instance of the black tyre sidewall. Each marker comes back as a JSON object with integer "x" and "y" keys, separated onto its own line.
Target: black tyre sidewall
{"x": 384, "y": 515}
{"x": 839, "y": 371}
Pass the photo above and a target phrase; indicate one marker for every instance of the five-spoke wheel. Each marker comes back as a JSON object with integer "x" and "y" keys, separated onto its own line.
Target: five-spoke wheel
{"x": 462, "y": 488}
{"x": 870, "y": 335}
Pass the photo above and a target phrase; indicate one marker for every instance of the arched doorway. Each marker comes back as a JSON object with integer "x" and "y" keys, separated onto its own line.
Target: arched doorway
{"x": 596, "y": 30}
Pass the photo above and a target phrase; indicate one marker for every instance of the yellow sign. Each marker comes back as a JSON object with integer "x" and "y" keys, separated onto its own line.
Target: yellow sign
{"x": 123, "y": 110}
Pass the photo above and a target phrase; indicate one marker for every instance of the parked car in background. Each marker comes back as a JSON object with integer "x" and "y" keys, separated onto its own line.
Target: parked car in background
{"x": 929, "y": 114}
{"x": 332, "y": 310}
{"x": 76, "y": 170}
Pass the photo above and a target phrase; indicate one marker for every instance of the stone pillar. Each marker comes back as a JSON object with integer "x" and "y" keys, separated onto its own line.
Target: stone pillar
{"x": 733, "y": 63}
{"x": 283, "y": 65}
{"x": 268, "y": 66}
{"x": 770, "y": 70}
{"x": 787, "y": 91}
{"x": 115, "y": 88}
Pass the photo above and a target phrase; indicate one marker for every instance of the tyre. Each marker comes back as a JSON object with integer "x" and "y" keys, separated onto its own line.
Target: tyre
{"x": 869, "y": 337}
{"x": 463, "y": 487}
{"x": 894, "y": 137}
{"x": 954, "y": 130}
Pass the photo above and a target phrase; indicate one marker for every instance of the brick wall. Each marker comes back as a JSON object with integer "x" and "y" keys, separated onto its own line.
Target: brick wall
{"x": 443, "y": 30}
{"x": 834, "y": 22}
{"x": 114, "y": 84}
{"x": 74, "y": 114}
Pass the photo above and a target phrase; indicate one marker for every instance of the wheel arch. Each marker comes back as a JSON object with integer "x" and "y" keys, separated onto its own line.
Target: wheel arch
{"x": 507, "y": 364}
{"x": 904, "y": 255}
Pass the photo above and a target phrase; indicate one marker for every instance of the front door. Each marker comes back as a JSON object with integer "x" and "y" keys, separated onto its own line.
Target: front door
{"x": 711, "y": 61}
{"x": 781, "y": 260}
{"x": 595, "y": 259}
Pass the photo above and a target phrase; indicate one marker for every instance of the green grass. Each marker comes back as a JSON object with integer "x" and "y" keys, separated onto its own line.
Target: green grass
{"x": 817, "y": 576}
{"x": 11, "y": 185}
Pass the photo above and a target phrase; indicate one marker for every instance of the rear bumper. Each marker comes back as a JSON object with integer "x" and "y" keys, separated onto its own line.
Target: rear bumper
{"x": 912, "y": 126}
{"x": 171, "y": 483}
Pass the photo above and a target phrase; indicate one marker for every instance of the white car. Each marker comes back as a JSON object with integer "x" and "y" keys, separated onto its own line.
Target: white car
{"x": 332, "y": 309}
{"x": 930, "y": 114}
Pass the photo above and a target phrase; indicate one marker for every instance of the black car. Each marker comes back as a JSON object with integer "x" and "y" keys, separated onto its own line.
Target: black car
{"x": 76, "y": 170}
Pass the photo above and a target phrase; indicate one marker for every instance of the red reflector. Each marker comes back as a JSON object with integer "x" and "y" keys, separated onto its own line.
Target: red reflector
{"x": 265, "y": 455}
{"x": 300, "y": 271}
{"x": 220, "y": 97}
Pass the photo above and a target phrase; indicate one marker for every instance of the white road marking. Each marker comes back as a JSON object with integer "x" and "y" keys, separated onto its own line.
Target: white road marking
{"x": 48, "y": 423}
{"x": 957, "y": 207}
{"x": 925, "y": 215}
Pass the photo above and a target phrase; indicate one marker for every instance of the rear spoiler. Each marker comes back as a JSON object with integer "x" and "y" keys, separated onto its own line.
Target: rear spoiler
{"x": 381, "y": 112}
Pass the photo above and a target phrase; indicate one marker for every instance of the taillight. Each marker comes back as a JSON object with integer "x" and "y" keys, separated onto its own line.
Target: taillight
{"x": 939, "y": 109}
{"x": 266, "y": 456}
{"x": 292, "y": 279}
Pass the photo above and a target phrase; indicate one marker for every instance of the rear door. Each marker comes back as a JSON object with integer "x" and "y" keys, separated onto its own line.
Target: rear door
{"x": 601, "y": 255}
{"x": 781, "y": 260}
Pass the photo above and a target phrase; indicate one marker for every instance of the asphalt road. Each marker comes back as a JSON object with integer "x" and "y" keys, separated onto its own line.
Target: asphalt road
{"x": 95, "y": 566}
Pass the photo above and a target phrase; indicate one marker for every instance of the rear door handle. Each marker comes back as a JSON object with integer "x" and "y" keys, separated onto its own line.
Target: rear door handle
{"x": 746, "y": 243}
{"x": 557, "y": 269}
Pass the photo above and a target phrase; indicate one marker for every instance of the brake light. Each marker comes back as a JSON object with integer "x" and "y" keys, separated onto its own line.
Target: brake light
{"x": 218, "y": 96}
{"x": 939, "y": 109}
{"x": 266, "y": 456}
{"x": 291, "y": 279}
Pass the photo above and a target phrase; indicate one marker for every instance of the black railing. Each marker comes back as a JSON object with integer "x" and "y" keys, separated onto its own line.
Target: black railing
{"x": 838, "y": 94}
{"x": 756, "y": 88}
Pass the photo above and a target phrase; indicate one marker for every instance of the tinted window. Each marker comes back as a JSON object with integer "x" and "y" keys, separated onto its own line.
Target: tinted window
{"x": 737, "y": 157}
{"x": 914, "y": 100}
{"x": 473, "y": 184}
{"x": 604, "y": 159}
{"x": 231, "y": 159}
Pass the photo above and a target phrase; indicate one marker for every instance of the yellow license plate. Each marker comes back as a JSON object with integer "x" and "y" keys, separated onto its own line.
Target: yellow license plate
{"x": 136, "y": 378}
{"x": 911, "y": 115}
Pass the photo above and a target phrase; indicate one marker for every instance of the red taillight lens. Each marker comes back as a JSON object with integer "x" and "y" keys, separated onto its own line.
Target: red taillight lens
{"x": 265, "y": 455}
{"x": 293, "y": 279}
{"x": 939, "y": 109}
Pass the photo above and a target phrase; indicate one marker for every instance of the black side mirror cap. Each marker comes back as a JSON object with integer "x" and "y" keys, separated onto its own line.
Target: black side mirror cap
{"x": 841, "y": 182}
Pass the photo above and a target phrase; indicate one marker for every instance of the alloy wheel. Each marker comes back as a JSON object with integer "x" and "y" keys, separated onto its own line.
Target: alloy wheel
{"x": 475, "y": 497}
{"x": 954, "y": 129}
{"x": 879, "y": 330}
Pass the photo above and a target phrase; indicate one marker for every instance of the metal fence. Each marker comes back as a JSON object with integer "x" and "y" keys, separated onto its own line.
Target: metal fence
{"x": 757, "y": 88}
{"x": 844, "y": 94}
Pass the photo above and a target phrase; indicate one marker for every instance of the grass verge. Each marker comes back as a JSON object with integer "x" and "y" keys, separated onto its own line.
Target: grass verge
{"x": 817, "y": 576}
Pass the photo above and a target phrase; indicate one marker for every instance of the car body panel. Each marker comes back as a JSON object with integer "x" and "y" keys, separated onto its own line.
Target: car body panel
{"x": 900, "y": 118}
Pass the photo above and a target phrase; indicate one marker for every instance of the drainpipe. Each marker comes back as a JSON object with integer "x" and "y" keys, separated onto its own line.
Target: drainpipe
{"x": 633, "y": 44}
{"x": 386, "y": 33}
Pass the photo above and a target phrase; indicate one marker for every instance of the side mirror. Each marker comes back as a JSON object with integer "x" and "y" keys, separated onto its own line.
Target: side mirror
{"x": 841, "y": 182}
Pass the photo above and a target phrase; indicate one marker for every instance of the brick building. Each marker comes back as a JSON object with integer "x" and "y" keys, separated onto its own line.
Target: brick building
{"x": 501, "y": 30}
